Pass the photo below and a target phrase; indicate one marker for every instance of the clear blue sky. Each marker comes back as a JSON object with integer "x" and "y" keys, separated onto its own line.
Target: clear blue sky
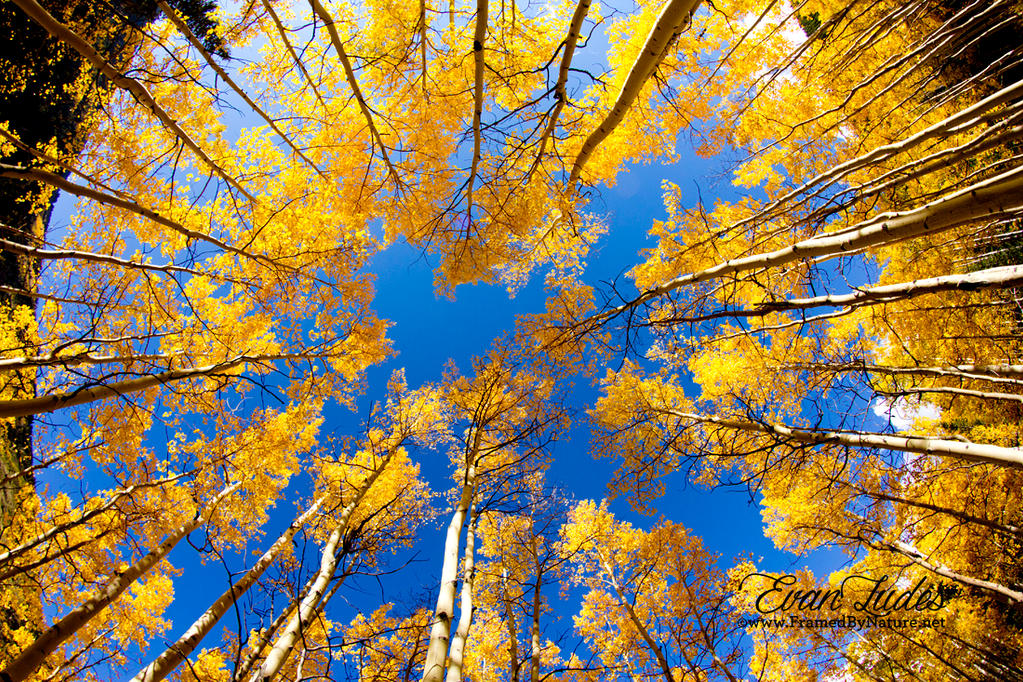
{"x": 429, "y": 330}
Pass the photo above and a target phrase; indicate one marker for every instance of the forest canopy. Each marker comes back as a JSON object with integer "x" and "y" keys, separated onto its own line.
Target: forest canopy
{"x": 215, "y": 465}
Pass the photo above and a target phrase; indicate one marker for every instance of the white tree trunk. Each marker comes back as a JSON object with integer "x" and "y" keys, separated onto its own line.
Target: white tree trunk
{"x": 655, "y": 649}
{"x": 971, "y": 372}
{"x": 310, "y": 604}
{"x": 970, "y": 452}
{"x": 353, "y": 83}
{"x": 52, "y": 531}
{"x": 166, "y": 662}
{"x": 479, "y": 66}
{"x": 108, "y": 199}
{"x": 57, "y": 401}
{"x": 1004, "y": 277}
{"x": 513, "y": 635}
{"x": 997, "y": 197}
{"x": 35, "y": 654}
{"x": 182, "y": 26}
{"x": 560, "y": 91}
{"x": 672, "y": 20}
{"x": 465, "y": 607}
{"x": 440, "y": 632}
{"x": 245, "y": 666}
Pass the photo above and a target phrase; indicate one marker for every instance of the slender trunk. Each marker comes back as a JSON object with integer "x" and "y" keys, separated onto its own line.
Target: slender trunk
{"x": 283, "y": 33}
{"x": 970, "y": 452}
{"x": 440, "y": 632}
{"x": 124, "y": 202}
{"x": 197, "y": 44}
{"x": 479, "y": 64}
{"x": 49, "y": 360}
{"x": 630, "y": 668}
{"x": 35, "y": 654}
{"x": 465, "y": 607}
{"x": 15, "y": 552}
{"x": 984, "y": 395}
{"x": 954, "y": 513}
{"x": 993, "y": 370}
{"x": 411, "y": 663}
{"x": 245, "y": 666}
{"x": 307, "y": 610}
{"x": 672, "y": 20}
{"x": 513, "y": 635}
{"x": 64, "y": 550}
{"x": 166, "y": 662}
{"x": 56, "y": 401}
{"x": 422, "y": 44}
{"x": 137, "y": 89}
{"x": 310, "y": 604}
{"x": 974, "y": 115}
{"x": 39, "y": 113}
{"x": 1005, "y": 277}
{"x": 560, "y": 91}
{"x": 353, "y": 83}
{"x": 534, "y": 662}
{"x": 975, "y": 374}
{"x": 637, "y": 623}
{"x": 996, "y": 197}
{"x": 918, "y": 558}
{"x": 708, "y": 639}
{"x": 65, "y": 254}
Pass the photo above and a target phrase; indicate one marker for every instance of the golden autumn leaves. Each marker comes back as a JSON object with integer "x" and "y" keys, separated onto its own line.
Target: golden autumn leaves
{"x": 213, "y": 294}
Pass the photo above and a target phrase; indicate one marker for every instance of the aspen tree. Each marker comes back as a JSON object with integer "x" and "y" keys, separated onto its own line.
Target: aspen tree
{"x": 509, "y": 411}
{"x": 522, "y": 559}
{"x": 654, "y": 593}
{"x": 180, "y": 650}
{"x": 33, "y": 656}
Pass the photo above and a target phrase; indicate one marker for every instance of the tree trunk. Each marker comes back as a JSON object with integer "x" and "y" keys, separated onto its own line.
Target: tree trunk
{"x": 36, "y": 653}
{"x": 243, "y": 668}
{"x": 513, "y": 635}
{"x": 56, "y": 401}
{"x": 465, "y": 607}
{"x": 534, "y": 659}
{"x": 182, "y": 26}
{"x": 43, "y": 111}
{"x": 1004, "y": 277}
{"x": 560, "y": 92}
{"x": 918, "y": 558}
{"x": 110, "y": 199}
{"x": 479, "y": 65}
{"x": 970, "y": 452}
{"x": 166, "y": 662}
{"x": 997, "y": 197}
{"x": 353, "y": 83}
{"x": 672, "y": 20}
{"x": 436, "y": 654}
{"x": 958, "y": 372}
{"x": 283, "y": 33}
{"x": 637, "y": 623}
{"x": 310, "y": 604}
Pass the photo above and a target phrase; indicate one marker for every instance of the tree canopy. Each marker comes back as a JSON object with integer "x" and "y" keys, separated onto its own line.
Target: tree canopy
{"x": 197, "y": 205}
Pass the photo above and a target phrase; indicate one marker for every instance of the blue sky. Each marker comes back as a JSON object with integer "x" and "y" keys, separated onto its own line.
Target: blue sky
{"x": 428, "y": 330}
